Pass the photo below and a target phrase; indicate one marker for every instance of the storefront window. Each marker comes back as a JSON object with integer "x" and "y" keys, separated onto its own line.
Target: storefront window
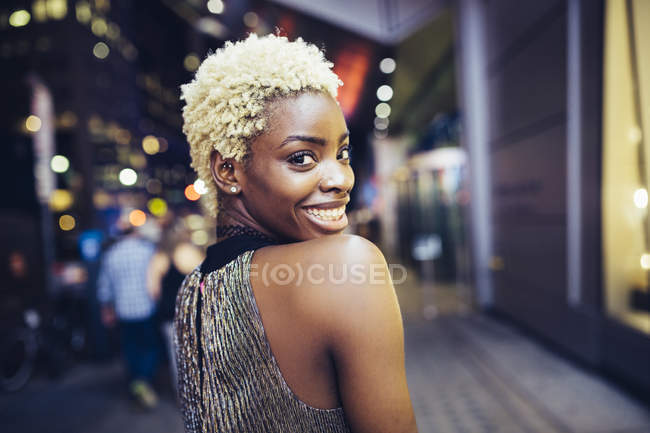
{"x": 626, "y": 163}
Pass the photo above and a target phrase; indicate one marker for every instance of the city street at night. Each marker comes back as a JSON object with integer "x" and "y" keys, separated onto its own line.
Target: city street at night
{"x": 474, "y": 173}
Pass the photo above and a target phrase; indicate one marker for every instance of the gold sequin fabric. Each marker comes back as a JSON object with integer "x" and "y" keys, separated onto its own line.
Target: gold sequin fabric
{"x": 237, "y": 385}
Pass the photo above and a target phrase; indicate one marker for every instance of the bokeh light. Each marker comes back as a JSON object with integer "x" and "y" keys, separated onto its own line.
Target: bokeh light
{"x": 382, "y": 110}
{"x": 634, "y": 134}
{"x": 641, "y": 198}
{"x": 83, "y": 12}
{"x": 191, "y": 62}
{"x": 98, "y": 26}
{"x": 381, "y": 123}
{"x": 154, "y": 186}
{"x": 251, "y": 19}
{"x": 67, "y": 222}
{"x": 157, "y": 206}
{"x": 385, "y": 93}
{"x": 59, "y": 164}
{"x": 387, "y": 65}
{"x": 191, "y": 194}
{"x": 19, "y": 18}
{"x": 200, "y": 187}
{"x": 57, "y": 9}
{"x": 137, "y": 217}
{"x": 101, "y": 50}
{"x": 645, "y": 261}
{"x": 216, "y": 6}
{"x": 33, "y": 123}
{"x": 194, "y": 221}
{"x": 199, "y": 237}
{"x": 60, "y": 200}
{"x": 128, "y": 176}
{"x": 150, "y": 145}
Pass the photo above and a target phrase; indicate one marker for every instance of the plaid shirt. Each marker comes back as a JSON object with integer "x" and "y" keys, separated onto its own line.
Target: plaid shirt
{"x": 123, "y": 278}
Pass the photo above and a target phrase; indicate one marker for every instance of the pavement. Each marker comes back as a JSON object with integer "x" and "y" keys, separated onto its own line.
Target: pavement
{"x": 467, "y": 373}
{"x": 472, "y": 373}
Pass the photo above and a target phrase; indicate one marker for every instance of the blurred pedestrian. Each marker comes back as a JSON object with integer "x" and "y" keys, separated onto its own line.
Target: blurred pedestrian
{"x": 167, "y": 270}
{"x": 122, "y": 292}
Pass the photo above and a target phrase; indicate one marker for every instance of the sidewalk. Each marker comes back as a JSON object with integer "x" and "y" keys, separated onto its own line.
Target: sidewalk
{"x": 90, "y": 398}
{"x": 471, "y": 373}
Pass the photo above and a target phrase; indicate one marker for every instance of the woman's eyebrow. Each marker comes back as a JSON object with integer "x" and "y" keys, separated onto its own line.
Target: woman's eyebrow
{"x": 311, "y": 139}
{"x": 308, "y": 138}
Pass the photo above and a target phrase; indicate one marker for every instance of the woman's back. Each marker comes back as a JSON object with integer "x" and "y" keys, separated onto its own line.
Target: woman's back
{"x": 237, "y": 384}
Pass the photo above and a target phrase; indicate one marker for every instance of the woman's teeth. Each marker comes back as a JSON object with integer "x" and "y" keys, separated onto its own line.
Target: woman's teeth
{"x": 327, "y": 214}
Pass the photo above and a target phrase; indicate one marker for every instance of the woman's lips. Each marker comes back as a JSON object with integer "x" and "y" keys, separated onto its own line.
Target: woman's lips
{"x": 330, "y": 219}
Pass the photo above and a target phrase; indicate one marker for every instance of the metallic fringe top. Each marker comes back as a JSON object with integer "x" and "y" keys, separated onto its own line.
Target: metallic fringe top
{"x": 237, "y": 385}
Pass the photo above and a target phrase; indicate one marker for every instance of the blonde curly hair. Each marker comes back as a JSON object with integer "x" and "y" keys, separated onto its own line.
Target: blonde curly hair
{"x": 226, "y": 100}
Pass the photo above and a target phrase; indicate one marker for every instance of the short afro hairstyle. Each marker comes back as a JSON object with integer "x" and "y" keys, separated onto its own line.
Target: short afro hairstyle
{"x": 226, "y": 101}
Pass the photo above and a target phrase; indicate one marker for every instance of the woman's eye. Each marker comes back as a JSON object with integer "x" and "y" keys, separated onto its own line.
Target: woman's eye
{"x": 345, "y": 153}
{"x": 302, "y": 158}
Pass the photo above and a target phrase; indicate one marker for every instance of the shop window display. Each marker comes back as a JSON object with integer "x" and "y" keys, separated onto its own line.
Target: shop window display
{"x": 626, "y": 163}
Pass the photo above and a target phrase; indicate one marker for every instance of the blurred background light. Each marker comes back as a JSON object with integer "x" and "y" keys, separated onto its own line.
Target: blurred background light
{"x": 200, "y": 187}
{"x": 641, "y": 198}
{"x": 191, "y": 194}
{"x": 98, "y": 26}
{"x": 113, "y": 31}
{"x": 387, "y": 65}
{"x": 216, "y": 6}
{"x": 68, "y": 119}
{"x": 83, "y": 12}
{"x": 61, "y": 200}
{"x": 645, "y": 261}
{"x": 137, "y": 160}
{"x": 157, "y": 206}
{"x": 150, "y": 145}
{"x": 634, "y": 134}
{"x": 59, "y": 164}
{"x": 67, "y": 222}
{"x": 102, "y": 200}
{"x": 57, "y": 9}
{"x": 19, "y": 18}
{"x": 33, "y": 123}
{"x": 380, "y": 133}
{"x": 382, "y": 110}
{"x": 128, "y": 176}
{"x": 199, "y": 237}
{"x": 123, "y": 136}
{"x": 251, "y": 19}
{"x": 164, "y": 145}
{"x": 381, "y": 123}
{"x": 194, "y": 221}
{"x": 39, "y": 10}
{"x": 101, "y": 50}
{"x": 154, "y": 186}
{"x": 191, "y": 62}
{"x": 385, "y": 93}
{"x": 137, "y": 217}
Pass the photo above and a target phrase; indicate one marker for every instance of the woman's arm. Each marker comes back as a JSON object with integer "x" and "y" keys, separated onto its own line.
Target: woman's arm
{"x": 367, "y": 344}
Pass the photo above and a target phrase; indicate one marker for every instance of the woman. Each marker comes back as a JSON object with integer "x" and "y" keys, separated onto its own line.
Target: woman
{"x": 288, "y": 325}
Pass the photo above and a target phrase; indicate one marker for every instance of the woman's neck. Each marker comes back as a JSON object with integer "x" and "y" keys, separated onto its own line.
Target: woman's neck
{"x": 229, "y": 224}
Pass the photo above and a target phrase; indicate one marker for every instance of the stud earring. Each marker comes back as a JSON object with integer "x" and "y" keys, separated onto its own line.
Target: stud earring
{"x": 227, "y": 165}
{"x": 233, "y": 189}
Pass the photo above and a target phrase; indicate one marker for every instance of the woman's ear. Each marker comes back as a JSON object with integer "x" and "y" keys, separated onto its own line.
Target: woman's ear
{"x": 225, "y": 173}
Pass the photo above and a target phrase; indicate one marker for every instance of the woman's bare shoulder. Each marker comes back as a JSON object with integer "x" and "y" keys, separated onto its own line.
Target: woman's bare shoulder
{"x": 335, "y": 249}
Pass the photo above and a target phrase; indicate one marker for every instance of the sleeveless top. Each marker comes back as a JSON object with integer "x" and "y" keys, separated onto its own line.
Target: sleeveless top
{"x": 228, "y": 378}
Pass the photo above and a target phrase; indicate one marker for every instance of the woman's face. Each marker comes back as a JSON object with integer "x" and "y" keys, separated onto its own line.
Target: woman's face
{"x": 297, "y": 182}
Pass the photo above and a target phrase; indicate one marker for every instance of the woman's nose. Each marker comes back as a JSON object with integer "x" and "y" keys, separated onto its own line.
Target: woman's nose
{"x": 337, "y": 176}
